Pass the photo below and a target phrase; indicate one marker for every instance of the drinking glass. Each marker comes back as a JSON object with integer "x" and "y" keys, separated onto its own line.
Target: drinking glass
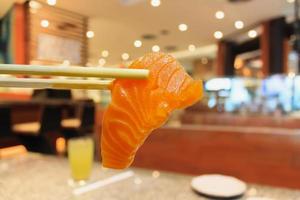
{"x": 81, "y": 156}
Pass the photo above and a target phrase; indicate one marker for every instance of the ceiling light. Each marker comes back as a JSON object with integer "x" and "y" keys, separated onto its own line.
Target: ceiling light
{"x": 291, "y": 74}
{"x": 155, "y": 3}
{"x": 192, "y": 47}
{"x": 220, "y": 14}
{"x": 252, "y": 33}
{"x": 290, "y": 1}
{"x": 101, "y": 62}
{"x": 66, "y": 62}
{"x": 218, "y": 34}
{"x": 34, "y": 5}
{"x": 105, "y": 53}
{"x": 44, "y": 23}
{"x": 90, "y": 34}
{"x": 155, "y": 48}
{"x": 239, "y": 24}
{"x": 51, "y": 2}
{"x": 204, "y": 60}
{"x": 182, "y": 27}
{"x": 125, "y": 56}
{"x": 138, "y": 43}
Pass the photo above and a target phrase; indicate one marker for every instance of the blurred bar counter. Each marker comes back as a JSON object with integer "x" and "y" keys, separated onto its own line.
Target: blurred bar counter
{"x": 230, "y": 119}
{"x": 28, "y": 110}
{"x": 35, "y": 177}
{"x": 261, "y": 155}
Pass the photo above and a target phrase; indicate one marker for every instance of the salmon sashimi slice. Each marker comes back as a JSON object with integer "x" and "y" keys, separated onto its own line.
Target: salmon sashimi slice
{"x": 140, "y": 106}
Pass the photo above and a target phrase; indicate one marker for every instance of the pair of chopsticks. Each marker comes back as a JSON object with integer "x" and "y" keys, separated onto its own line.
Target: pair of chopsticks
{"x": 68, "y": 71}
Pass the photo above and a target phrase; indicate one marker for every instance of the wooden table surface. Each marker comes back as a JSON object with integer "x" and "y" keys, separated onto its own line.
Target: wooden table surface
{"x": 39, "y": 177}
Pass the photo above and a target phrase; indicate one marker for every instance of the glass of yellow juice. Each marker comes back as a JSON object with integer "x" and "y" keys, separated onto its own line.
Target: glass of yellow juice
{"x": 81, "y": 156}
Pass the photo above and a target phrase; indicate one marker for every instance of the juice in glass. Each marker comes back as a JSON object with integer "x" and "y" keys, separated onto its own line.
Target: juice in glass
{"x": 81, "y": 156}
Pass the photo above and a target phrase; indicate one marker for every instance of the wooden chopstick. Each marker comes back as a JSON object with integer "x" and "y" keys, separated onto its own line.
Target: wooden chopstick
{"x": 74, "y": 71}
{"x": 38, "y": 83}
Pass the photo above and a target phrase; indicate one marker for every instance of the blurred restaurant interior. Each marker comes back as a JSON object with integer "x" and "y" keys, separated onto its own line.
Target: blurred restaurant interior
{"x": 246, "y": 126}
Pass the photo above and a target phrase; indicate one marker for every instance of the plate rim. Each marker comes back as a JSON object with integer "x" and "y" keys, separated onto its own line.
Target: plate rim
{"x": 218, "y": 196}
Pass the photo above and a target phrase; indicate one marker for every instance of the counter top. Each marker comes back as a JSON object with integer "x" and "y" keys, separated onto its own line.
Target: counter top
{"x": 36, "y": 177}
{"x": 231, "y": 128}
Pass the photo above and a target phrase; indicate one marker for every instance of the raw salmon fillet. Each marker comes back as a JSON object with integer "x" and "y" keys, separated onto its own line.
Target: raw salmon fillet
{"x": 140, "y": 106}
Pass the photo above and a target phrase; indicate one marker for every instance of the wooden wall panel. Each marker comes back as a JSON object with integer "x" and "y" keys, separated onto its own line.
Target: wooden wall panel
{"x": 63, "y": 24}
{"x": 272, "y": 46}
{"x": 225, "y": 58}
{"x": 20, "y": 43}
{"x": 286, "y": 51}
{"x": 220, "y": 59}
{"x": 264, "y": 43}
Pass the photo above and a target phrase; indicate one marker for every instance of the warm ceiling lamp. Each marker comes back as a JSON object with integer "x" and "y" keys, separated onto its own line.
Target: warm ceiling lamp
{"x": 90, "y": 34}
{"x": 155, "y": 3}
{"x": 51, "y": 2}
{"x": 192, "y": 47}
{"x": 105, "y": 53}
{"x": 155, "y": 48}
{"x": 125, "y": 56}
{"x": 138, "y": 43}
{"x": 239, "y": 24}
{"x": 252, "y": 34}
{"x": 35, "y": 5}
{"x": 66, "y": 63}
{"x": 183, "y": 27}
{"x": 218, "y": 34}
{"x": 44, "y": 23}
{"x": 101, "y": 62}
{"x": 220, "y": 14}
{"x": 204, "y": 60}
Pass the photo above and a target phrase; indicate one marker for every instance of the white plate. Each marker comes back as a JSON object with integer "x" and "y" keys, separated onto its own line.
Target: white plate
{"x": 219, "y": 186}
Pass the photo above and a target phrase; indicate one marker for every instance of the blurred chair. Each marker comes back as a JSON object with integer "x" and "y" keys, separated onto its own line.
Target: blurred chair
{"x": 83, "y": 124}
{"x": 57, "y": 96}
{"x": 41, "y": 136}
{"x": 52, "y": 94}
{"x": 7, "y": 139}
